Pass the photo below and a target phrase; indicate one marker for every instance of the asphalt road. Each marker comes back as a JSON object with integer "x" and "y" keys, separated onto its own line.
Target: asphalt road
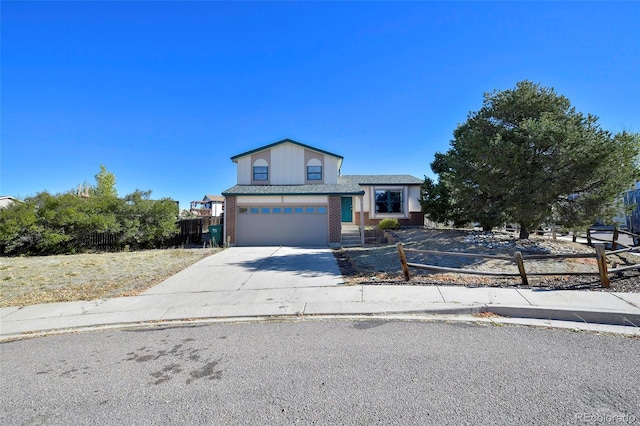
{"x": 322, "y": 372}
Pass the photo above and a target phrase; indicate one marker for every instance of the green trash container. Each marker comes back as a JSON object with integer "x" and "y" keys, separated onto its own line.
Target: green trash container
{"x": 215, "y": 233}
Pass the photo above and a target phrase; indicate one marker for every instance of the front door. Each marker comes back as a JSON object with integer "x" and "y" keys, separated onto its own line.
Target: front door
{"x": 347, "y": 209}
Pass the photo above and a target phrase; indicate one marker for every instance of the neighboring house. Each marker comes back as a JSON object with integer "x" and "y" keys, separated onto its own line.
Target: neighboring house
{"x": 211, "y": 205}
{"x": 289, "y": 193}
{"x": 632, "y": 198}
{"x": 7, "y": 200}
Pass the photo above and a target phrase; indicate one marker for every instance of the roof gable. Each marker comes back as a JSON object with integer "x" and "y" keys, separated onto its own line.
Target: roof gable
{"x": 218, "y": 198}
{"x": 283, "y": 141}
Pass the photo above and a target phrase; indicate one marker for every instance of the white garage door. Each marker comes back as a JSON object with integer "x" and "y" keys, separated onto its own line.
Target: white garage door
{"x": 282, "y": 226}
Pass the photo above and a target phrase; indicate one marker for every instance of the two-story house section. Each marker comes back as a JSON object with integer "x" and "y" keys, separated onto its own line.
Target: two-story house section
{"x": 292, "y": 194}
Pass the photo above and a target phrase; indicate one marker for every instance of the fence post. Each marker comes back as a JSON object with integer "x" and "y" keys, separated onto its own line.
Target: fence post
{"x": 614, "y": 243}
{"x": 520, "y": 263}
{"x": 588, "y": 237}
{"x": 403, "y": 261}
{"x": 601, "y": 257}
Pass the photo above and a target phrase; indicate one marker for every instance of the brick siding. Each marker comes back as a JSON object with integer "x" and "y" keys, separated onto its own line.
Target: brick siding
{"x": 335, "y": 220}
{"x": 230, "y": 218}
{"x": 415, "y": 219}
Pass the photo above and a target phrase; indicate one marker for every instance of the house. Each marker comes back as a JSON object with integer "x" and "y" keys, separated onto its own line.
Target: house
{"x": 7, "y": 200}
{"x": 289, "y": 193}
{"x": 211, "y": 205}
{"x": 632, "y": 199}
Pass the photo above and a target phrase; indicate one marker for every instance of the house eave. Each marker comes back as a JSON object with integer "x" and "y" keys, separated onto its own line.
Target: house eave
{"x": 263, "y": 148}
{"x": 287, "y": 190}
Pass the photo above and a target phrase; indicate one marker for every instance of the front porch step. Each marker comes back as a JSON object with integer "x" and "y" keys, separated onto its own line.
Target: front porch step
{"x": 351, "y": 239}
{"x": 351, "y": 236}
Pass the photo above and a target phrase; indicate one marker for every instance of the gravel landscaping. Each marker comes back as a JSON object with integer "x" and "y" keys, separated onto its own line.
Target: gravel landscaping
{"x": 380, "y": 264}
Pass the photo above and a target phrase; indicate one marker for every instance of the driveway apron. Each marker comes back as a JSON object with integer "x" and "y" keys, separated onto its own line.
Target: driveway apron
{"x": 255, "y": 268}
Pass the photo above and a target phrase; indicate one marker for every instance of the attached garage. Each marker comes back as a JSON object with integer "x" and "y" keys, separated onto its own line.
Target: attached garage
{"x": 282, "y": 224}
{"x": 281, "y": 220}
{"x": 285, "y": 215}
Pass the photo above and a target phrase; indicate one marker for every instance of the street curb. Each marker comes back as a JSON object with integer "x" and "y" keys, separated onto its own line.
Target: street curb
{"x": 592, "y": 317}
{"x": 557, "y": 314}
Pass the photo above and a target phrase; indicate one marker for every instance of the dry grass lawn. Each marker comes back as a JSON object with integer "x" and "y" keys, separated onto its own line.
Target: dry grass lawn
{"x": 32, "y": 280}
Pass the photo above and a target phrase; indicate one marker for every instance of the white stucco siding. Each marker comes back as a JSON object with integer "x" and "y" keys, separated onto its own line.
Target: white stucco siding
{"x": 365, "y": 200}
{"x": 279, "y": 199}
{"x": 330, "y": 170}
{"x": 216, "y": 209}
{"x": 244, "y": 170}
{"x": 287, "y": 165}
{"x": 308, "y": 199}
{"x": 414, "y": 195}
{"x": 255, "y": 199}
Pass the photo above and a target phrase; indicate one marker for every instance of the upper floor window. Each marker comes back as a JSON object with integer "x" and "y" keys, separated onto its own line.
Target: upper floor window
{"x": 314, "y": 172}
{"x": 261, "y": 173}
{"x": 314, "y": 169}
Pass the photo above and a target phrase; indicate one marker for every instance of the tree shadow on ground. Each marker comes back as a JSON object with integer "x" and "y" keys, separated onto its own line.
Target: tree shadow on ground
{"x": 312, "y": 262}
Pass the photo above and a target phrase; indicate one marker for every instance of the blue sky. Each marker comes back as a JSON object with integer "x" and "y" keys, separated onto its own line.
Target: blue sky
{"x": 164, "y": 93}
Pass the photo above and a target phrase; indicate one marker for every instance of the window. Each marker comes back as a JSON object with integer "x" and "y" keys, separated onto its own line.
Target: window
{"x": 265, "y": 210}
{"x": 261, "y": 173}
{"x": 389, "y": 201}
{"x": 314, "y": 172}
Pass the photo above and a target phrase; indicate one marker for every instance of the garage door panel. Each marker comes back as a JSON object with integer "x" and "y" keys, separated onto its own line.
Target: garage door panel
{"x": 282, "y": 229}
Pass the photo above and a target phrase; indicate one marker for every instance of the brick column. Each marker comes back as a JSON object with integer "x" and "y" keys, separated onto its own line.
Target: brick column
{"x": 230, "y": 218}
{"x": 335, "y": 221}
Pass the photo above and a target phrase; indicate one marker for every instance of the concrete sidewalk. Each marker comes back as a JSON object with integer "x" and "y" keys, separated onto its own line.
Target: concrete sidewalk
{"x": 263, "y": 282}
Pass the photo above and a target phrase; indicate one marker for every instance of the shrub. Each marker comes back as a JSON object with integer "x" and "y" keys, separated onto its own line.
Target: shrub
{"x": 389, "y": 224}
{"x": 64, "y": 223}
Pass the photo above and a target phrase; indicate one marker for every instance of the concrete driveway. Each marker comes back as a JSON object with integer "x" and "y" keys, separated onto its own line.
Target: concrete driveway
{"x": 256, "y": 268}
{"x": 246, "y": 281}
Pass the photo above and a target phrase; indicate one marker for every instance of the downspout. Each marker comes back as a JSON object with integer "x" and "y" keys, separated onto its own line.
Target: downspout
{"x": 224, "y": 224}
{"x": 362, "y": 219}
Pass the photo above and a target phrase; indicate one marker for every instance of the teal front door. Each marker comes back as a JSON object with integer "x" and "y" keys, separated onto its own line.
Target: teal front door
{"x": 347, "y": 209}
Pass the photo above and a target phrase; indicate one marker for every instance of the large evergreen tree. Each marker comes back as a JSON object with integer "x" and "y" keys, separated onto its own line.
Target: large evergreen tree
{"x": 528, "y": 157}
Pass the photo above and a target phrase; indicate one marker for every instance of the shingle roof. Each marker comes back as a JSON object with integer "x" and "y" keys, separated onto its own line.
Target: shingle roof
{"x": 262, "y": 148}
{"x": 326, "y": 189}
{"x": 379, "y": 179}
{"x": 213, "y": 198}
{"x": 347, "y": 185}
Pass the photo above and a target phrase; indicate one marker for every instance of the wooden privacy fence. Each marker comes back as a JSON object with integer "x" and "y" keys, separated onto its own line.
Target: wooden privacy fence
{"x": 100, "y": 240}
{"x": 519, "y": 259}
{"x": 196, "y": 231}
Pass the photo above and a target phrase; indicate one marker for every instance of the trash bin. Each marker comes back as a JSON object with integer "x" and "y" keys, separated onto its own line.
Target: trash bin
{"x": 215, "y": 233}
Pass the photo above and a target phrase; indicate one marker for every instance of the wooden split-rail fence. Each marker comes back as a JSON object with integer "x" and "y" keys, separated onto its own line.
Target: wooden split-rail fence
{"x": 519, "y": 259}
{"x": 617, "y": 236}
